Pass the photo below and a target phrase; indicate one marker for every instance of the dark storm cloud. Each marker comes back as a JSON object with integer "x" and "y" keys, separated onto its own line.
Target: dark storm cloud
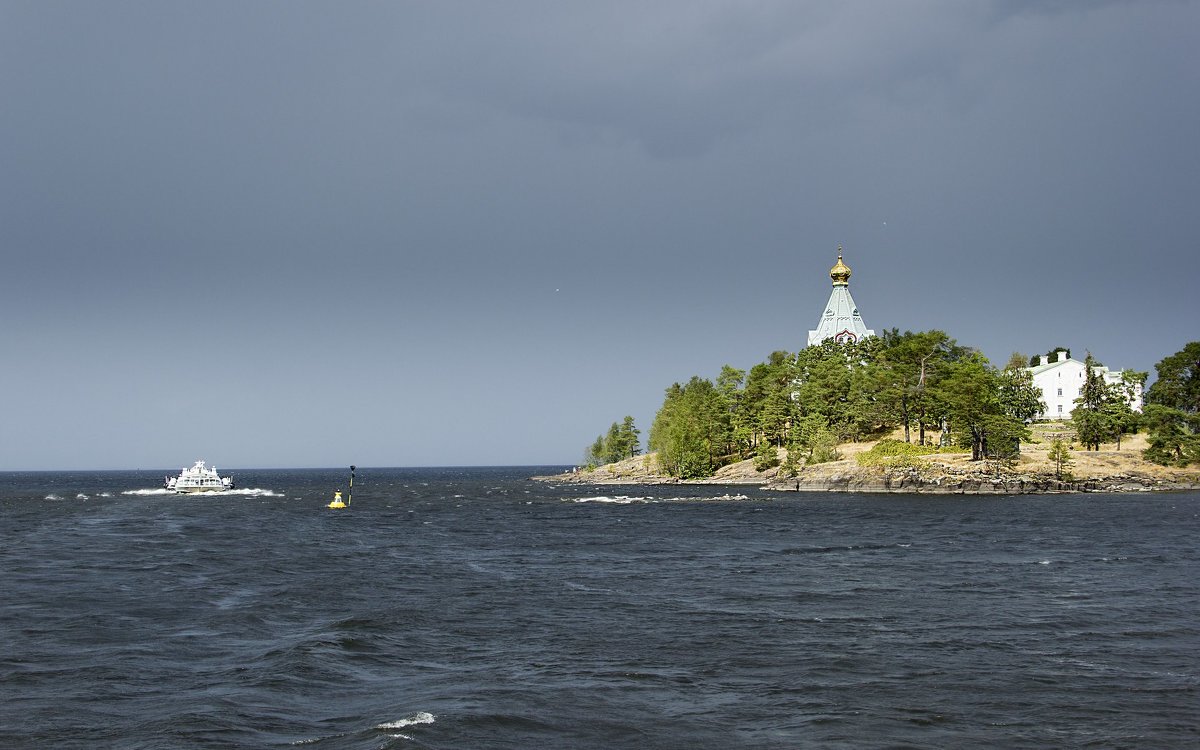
{"x": 486, "y": 230}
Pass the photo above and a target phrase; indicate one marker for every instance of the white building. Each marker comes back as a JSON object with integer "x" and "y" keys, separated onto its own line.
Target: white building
{"x": 1061, "y": 382}
{"x": 840, "y": 321}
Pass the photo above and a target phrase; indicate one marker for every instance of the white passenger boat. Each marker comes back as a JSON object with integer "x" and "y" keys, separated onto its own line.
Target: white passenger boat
{"x": 199, "y": 478}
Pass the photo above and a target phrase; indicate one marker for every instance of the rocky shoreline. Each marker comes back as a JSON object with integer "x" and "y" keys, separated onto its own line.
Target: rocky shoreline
{"x": 938, "y": 477}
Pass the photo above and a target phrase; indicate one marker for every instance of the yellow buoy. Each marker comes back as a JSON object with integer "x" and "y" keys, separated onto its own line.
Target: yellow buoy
{"x": 337, "y": 500}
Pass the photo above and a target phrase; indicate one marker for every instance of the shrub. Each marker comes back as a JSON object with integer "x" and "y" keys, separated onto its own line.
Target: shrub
{"x": 895, "y": 454}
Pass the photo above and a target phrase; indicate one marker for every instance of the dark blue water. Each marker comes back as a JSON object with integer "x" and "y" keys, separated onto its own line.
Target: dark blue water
{"x": 474, "y": 609}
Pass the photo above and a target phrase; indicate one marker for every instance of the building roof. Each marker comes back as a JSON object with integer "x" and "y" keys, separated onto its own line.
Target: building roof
{"x": 841, "y": 320}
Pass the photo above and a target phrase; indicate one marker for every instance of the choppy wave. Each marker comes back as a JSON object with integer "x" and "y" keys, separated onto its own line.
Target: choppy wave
{"x": 458, "y": 617}
{"x": 420, "y": 717}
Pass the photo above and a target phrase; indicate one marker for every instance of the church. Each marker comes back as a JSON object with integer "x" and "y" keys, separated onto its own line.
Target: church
{"x": 840, "y": 321}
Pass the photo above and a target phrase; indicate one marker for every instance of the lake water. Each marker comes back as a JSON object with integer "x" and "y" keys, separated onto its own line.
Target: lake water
{"x": 472, "y": 608}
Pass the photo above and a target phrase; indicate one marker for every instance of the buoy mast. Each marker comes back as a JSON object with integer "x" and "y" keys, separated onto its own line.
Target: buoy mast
{"x": 337, "y": 494}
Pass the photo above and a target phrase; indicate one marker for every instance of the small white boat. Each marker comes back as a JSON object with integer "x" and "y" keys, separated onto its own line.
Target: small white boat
{"x": 199, "y": 478}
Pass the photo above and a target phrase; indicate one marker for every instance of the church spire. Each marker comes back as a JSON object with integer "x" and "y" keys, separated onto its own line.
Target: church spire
{"x": 840, "y": 321}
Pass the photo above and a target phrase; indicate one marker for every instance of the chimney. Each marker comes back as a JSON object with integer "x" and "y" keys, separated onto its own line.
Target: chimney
{"x": 1045, "y": 359}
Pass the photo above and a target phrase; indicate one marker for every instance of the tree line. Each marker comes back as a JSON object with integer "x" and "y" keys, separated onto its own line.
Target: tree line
{"x": 810, "y": 401}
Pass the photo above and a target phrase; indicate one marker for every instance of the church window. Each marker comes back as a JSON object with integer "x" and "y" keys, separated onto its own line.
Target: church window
{"x": 1060, "y": 408}
{"x": 1060, "y": 391}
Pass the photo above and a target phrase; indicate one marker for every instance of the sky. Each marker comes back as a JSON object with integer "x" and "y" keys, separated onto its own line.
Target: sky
{"x": 311, "y": 234}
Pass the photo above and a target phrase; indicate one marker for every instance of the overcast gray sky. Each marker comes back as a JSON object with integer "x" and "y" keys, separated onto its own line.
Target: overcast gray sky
{"x": 294, "y": 234}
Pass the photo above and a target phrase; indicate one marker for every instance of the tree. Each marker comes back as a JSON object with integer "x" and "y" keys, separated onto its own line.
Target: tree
{"x": 1095, "y": 418}
{"x": 1051, "y": 356}
{"x": 971, "y": 395}
{"x": 729, "y": 387}
{"x": 1174, "y": 436}
{"x": 1119, "y": 415}
{"x": 1178, "y": 382}
{"x": 830, "y": 381}
{"x": 1017, "y": 361}
{"x": 766, "y": 457}
{"x": 1019, "y": 397}
{"x": 594, "y": 455}
{"x": 689, "y": 430}
{"x": 1172, "y": 413}
{"x": 767, "y": 398}
{"x": 627, "y": 443}
{"x": 619, "y": 443}
{"x": 907, "y": 370}
{"x": 1061, "y": 456}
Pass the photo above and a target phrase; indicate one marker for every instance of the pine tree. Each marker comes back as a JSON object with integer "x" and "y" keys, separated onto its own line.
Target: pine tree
{"x": 1092, "y": 417}
{"x": 1061, "y": 457}
{"x": 1172, "y": 414}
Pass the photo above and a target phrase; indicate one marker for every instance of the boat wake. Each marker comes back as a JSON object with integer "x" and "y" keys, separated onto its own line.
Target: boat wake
{"x": 239, "y": 492}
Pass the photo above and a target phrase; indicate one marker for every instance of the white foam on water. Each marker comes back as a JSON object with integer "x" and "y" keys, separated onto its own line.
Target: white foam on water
{"x": 619, "y": 499}
{"x": 420, "y": 717}
{"x": 52, "y": 497}
{"x": 82, "y": 496}
{"x": 247, "y": 492}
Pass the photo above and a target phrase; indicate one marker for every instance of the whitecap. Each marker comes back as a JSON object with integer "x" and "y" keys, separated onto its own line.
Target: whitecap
{"x": 52, "y": 496}
{"x": 420, "y": 717}
{"x": 82, "y": 496}
{"x": 619, "y": 499}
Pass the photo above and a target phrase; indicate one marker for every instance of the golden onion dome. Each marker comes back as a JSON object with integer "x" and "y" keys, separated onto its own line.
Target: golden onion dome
{"x": 840, "y": 273}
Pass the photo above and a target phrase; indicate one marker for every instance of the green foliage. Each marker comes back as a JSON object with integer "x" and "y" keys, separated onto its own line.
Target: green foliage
{"x": 690, "y": 430}
{"x": 1178, "y": 383}
{"x": 766, "y": 457}
{"x": 1061, "y": 457}
{"x": 906, "y": 376}
{"x": 1051, "y": 356}
{"x": 1174, "y": 438}
{"x": 831, "y": 393}
{"x": 973, "y": 395}
{"x": 1102, "y": 412}
{"x": 1019, "y": 397}
{"x": 894, "y": 454}
{"x": 620, "y": 442}
{"x": 890, "y": 447}
{"x": 813, "y": 441}
{"x": 1017, "y": 361}
{"x": 1172, "y": 413}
